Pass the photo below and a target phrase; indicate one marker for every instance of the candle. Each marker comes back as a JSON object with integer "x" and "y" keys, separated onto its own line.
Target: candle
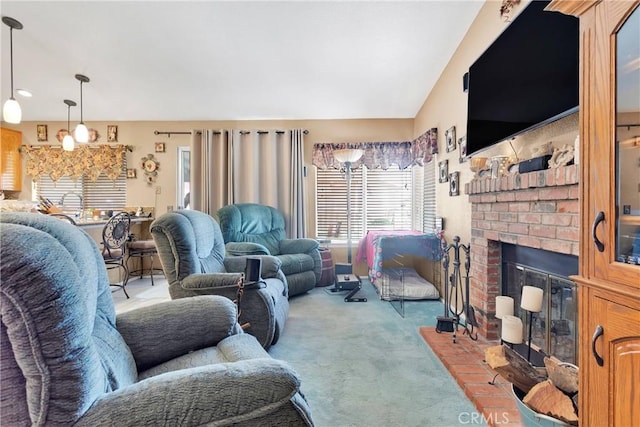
{"x": 504, "y": 306}
{"x": 512, "y": 329}
{"x": 531, "y": 299}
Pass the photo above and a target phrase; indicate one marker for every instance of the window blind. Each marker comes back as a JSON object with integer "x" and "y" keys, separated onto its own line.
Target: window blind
{"x": 103, "y": 194}
{"x": 380, "y": 200}
{"x": 429, "y": 197}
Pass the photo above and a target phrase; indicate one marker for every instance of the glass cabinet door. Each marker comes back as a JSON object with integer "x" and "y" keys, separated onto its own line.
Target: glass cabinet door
{"x": 627, "y": 132}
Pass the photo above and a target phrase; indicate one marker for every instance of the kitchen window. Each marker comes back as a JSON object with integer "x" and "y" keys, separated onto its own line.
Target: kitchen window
{"x": 74, "y": 196}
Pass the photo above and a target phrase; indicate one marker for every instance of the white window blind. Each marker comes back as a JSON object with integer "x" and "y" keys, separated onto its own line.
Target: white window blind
{"x": 73, "y": 196}
{"x": 380, "y": 200}
{"x": 429, "y": 197}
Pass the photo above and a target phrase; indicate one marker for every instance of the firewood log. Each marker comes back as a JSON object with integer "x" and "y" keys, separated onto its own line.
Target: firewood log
{"x": 564, "y": 377}
{"x": 547, "y": 399}
{"x": 513, "y": 367}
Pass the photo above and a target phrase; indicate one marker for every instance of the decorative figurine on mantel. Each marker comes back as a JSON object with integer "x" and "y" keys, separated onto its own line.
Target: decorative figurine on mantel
{"x": 561, "y": 156}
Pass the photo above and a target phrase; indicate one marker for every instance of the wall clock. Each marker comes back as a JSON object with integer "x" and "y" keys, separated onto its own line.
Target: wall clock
{"x": 150, "y": 167}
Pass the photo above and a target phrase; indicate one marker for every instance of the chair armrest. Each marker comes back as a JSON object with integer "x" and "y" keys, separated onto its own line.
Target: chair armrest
{"x": 220, "y": 394}
{"x": 246, "y": 248}
{"x": 166, "y": 330}
{"x": 270, "y": 265}
{"x": 210, "y": 281}
{"x": 298, "y": 246}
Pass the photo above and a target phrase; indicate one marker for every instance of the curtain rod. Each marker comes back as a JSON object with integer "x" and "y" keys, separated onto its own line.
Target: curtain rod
{"x": 243, "y": 132}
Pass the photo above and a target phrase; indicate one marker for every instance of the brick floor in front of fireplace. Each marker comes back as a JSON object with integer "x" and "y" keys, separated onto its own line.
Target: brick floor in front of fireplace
{"x": 465, "y": 361}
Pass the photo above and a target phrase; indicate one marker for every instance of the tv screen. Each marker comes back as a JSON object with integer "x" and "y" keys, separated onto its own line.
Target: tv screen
{"x": 527, "y": 77}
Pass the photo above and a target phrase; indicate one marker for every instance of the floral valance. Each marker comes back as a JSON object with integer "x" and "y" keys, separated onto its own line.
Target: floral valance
{"x": 83, "y": 161}
{"x": 381, "y": 154}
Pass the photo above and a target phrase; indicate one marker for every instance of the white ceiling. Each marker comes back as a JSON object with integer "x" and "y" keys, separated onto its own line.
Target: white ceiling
{"x": 197, "y": 60}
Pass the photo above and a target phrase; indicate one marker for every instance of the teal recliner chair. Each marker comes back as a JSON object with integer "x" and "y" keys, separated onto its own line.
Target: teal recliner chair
{"x": 68, "y": 359}
{"x": 194, "y": 261}
{"x": 252, "y": 229}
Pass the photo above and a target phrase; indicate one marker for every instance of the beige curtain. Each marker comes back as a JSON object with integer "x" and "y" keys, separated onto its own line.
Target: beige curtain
{"x": 235, "y": 166}
{"x": 210, "y": 170}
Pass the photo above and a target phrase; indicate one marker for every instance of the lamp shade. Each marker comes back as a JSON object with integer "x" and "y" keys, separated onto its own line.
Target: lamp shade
{"x": 531, "y": 299}
{"x": 511, "y": 329}
{"x": 81, "y": 133}
{"x": 348, "y": 155}
{"x": 11, "y": 112}
{"x": 68, "y": 143}
{"x": 504, "y": 306}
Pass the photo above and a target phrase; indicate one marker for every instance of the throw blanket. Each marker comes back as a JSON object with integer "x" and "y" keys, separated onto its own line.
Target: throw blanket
{"x": 378, "y": 246}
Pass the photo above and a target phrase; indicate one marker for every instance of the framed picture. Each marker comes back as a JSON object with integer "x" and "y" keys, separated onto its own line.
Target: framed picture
{"x": 450, "y": 137}
{"x": 443, "y": 168}
{"x": 462, "y": 145}
{"x": 41, "y": 130}
{"x": 160, "y": 147}
{"x": 93, "y": 135}
{"x": 454, "y": 184}
{"x": 131, "y": 173}
{"x": 112, "y": 133}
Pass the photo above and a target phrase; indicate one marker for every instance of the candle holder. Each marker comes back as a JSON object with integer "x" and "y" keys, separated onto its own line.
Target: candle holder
{"x": 532, "y": 303}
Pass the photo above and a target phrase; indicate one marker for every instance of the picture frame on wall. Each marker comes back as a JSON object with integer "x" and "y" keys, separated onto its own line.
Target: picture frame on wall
{"x": 160, "y": 147}
{"x": 131, "y": 173}
{"x": 443, "y": 169}
{"x": 454, "y": 184}
{"x": 42, "y": 133}
{"x": 450, "y": 138}
{"x": 112, "y": 133}
{"x": 462, "y": 146}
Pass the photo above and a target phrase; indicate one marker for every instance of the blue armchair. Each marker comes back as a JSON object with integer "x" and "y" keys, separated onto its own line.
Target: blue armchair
{"x": 67, "y": 359}
{"x": 194, "y": 261}
{"x": 251, "y": 229}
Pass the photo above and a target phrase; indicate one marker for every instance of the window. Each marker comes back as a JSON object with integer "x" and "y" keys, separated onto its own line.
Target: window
{"x": 184, "y": 178}
{"x": 428, "y": 213}
{"x": 380, "y": 200}
{"x": 75, "y": 196}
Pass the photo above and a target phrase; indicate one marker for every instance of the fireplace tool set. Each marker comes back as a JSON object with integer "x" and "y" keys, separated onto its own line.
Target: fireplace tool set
{"x": 453, "y": 293}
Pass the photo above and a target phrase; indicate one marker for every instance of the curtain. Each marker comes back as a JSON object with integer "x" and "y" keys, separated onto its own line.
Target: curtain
{"x": 210, "y": 170}
{"x": 265, "y": 167}
{"x": 382, "y": 154}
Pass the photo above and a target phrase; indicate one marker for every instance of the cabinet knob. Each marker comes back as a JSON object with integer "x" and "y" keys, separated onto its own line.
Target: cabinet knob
{"x": 596, "y": 222}
{"x": 597, "y": 334}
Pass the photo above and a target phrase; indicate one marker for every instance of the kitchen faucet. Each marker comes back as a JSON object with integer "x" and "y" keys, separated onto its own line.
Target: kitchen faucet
{"x": 79, "y": 196}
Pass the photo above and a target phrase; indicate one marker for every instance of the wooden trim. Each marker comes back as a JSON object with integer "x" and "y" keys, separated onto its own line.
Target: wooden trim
{"x": 571, "y": 7}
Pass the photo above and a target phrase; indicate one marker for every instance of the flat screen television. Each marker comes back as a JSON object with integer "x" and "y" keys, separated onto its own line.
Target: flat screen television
{"x": 528, "y": 77}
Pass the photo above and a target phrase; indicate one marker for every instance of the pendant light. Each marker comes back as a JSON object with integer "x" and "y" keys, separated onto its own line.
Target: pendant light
{"x": 11, "y": 111}
{"x": 81, "y": 133}
{"x": 67, "y": 142}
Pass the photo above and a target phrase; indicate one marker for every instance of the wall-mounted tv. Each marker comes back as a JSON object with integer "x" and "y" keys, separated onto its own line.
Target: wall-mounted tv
{"x": 526, "y": 78}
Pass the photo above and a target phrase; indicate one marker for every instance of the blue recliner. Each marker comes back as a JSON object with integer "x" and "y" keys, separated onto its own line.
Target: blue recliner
{"x": 68, "y": 359}
{"x": 192, "y": 253}
{"x": 251, "y": 229}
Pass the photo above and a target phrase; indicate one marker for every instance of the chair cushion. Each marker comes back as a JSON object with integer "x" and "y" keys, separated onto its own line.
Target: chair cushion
{"x": 142, "y": 244}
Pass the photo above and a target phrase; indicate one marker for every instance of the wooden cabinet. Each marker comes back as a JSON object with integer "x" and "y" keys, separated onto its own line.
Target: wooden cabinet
{"x": 609, "y": 279}
{"x": 10, "y": 160}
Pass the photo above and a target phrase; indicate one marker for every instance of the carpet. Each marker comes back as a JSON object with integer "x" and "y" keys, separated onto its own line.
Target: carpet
{"x": 362, "y": 364}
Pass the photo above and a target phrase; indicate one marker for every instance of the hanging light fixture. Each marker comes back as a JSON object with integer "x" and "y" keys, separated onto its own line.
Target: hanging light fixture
{"x": 68, "y": 144}
{"x": 81, "y": 133}
{"x": 11, "y": 111}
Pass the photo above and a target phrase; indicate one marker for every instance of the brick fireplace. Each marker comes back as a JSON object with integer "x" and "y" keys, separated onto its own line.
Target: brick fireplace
{"x": 538, "y": 210}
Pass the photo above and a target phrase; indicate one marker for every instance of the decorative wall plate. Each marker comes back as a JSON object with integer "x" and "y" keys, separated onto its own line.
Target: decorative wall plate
{"x": 150, "y": 167}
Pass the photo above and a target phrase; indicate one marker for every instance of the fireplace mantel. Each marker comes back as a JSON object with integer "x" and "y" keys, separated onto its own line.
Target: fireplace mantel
{"x": 536, "y": 209}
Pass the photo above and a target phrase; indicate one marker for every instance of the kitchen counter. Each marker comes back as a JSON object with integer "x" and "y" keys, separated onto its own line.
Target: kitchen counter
{"x": 93, "y": 223}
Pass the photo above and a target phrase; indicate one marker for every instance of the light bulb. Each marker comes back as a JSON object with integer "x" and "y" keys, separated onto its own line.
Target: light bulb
{"x": 67, "y": 143}
{"x": 11, "y": 111}
{"x": 81, "y": 133}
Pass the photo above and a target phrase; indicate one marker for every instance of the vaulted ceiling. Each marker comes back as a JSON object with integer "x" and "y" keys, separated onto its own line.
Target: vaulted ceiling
{"x": 240, "y": 60}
